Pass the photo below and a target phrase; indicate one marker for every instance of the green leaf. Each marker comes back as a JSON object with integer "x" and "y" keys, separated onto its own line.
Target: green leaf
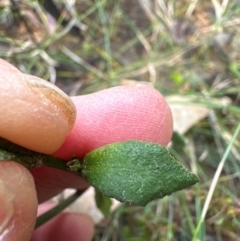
{"x": 103, "y": 203}
{"x": 135, "y": 172}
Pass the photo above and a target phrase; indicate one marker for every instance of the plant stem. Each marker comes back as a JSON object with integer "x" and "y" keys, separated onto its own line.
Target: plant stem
{"x": 31, "y": 159}
{"x": 56, "y": 210}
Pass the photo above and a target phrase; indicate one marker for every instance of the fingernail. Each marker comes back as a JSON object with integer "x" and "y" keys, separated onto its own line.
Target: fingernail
{"x": 54, "y": 95}
{"x": 6, "y": 206}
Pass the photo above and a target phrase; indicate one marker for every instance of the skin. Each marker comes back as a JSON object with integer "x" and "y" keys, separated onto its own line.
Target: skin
{"x": 26, "y": 101}
{"x": 116, "y": 114}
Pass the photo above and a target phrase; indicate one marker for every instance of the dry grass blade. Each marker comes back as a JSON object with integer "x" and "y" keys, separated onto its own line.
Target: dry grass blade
{"x": 214, "y": 182}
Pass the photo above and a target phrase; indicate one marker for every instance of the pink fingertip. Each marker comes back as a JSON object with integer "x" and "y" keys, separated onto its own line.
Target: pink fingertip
{"x": 115, "y": 115}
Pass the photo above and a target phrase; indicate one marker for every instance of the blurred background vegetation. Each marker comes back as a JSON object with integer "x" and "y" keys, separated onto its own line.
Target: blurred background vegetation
{"x": 185, "y": 48}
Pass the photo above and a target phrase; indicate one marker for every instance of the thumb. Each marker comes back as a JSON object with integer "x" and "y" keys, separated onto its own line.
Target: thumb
{"x": 18, "y": 202}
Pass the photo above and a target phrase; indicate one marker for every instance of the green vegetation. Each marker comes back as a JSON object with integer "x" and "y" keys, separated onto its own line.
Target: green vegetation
{"x": 135, "y": 172}
{"x": 184, "y": 48}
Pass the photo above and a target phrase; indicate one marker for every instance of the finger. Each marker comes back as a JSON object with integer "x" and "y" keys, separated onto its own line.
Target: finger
{"x": 50, "y": 182}
{"x": 116, "y": 114}
{"x": 33, "y": 113}
{"x": 65, "y": 226}
{"x": 18, "y": 202}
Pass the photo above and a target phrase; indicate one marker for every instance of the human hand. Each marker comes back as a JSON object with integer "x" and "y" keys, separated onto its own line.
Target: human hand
{"x": 41, "y": 122}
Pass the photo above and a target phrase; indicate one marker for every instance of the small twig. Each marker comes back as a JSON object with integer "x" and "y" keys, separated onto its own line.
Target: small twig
{"x": 31, "y": 159}
{"x": 56, "y": 210}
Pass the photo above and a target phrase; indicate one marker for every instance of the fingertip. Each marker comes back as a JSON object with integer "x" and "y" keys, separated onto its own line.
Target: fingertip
{"x": 18, "y": 192}
{"x": 66, "y": 226}
{"x": 33, "y": 113}
{"x": 118, "y": 114}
